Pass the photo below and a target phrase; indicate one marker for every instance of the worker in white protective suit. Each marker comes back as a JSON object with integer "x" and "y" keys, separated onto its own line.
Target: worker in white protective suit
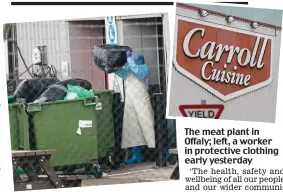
{"x": 138, "y": 123}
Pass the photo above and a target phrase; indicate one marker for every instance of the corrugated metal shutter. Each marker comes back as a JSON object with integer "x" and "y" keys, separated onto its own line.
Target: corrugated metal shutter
{"x": 53, "y": 34}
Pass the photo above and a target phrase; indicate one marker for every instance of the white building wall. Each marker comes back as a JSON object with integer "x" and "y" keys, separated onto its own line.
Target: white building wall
{"x": 53, "y": 34}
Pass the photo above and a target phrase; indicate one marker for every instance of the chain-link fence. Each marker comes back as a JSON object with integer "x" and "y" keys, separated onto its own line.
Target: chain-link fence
{"x": 94, "y": 135}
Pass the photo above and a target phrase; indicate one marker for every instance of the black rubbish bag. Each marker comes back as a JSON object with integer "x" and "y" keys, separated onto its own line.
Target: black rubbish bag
{"x": 31, "y": 89}
{"x": 59, "y": 90}
{"x": 110, "y": 58}
{"x": 76, "y": 82}
{"x": 54, "y": 92}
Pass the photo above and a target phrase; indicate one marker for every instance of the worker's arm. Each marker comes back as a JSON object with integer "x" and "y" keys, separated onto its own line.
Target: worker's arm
{"x": 123, "y": 72}
{"x": 140, "y": 71}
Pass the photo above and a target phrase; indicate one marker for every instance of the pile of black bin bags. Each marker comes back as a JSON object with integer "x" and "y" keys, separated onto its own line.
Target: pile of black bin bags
{"x": 47, "y": 89}
{"x": 109, "y": 58}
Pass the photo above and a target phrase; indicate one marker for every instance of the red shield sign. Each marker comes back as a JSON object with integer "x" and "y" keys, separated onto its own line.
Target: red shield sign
{"x": 226, "y": 61}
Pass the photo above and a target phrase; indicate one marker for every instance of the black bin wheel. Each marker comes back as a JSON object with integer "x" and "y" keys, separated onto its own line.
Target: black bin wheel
{"x": 94, "y": 170}
{"x": 97, "y": 173}
{"x": 110, "y": 161}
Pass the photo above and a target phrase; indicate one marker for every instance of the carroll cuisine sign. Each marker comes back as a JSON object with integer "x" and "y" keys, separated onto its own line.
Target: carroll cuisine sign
{"x": 226, "y": 61}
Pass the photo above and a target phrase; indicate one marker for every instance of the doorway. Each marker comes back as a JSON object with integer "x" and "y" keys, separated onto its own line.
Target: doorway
{"x": 84, "y": 35}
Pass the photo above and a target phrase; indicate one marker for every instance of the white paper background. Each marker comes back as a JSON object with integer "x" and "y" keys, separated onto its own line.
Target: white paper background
{"x": 38, "y": 13}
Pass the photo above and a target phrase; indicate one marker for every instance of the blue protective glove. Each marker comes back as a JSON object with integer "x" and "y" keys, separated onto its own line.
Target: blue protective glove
{"x": 129, "y": 53}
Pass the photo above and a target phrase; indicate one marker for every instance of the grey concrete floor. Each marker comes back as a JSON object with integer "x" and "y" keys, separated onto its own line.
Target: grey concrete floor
{"x": 143, "y": 172}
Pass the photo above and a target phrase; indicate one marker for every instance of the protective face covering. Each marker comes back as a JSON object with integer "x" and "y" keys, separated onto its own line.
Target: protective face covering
{"x": 138, "y": 124}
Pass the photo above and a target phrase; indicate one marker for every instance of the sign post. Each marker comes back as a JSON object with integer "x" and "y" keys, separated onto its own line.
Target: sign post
{"x": 225, "y": 60}
{"x": 114, "y": 82}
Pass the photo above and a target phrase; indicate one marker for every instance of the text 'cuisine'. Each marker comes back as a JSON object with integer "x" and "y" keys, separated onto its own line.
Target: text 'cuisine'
{"x": 224, "y": 76}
